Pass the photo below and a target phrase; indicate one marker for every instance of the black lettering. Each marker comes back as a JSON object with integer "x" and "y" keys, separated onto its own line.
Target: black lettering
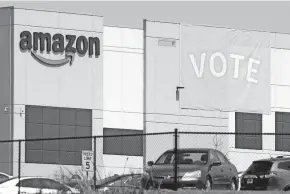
{"x": 94, "y": 41}
{"x": 25, "y": 42}
{"x": 42, "y": 37}
{"x": 71, "y": 40}
{"x": 82, "y": 41}
{"x": 58, "y": 43}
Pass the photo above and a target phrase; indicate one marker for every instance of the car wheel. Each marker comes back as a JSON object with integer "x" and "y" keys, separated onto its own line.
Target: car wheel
{"x": 208, "y": 184}
{"x": 233, "y": 185}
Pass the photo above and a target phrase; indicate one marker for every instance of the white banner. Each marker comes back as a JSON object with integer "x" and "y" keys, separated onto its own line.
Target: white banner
{"x": 225, "y": 69}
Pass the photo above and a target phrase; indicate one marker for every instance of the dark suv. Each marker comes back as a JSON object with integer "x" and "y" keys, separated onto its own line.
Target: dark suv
{"x": 267, "y": 174}
{"x": 197, "y": 168}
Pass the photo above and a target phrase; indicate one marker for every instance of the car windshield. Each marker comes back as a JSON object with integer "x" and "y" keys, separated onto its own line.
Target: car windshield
{"x": 184, "y": 157}
{"x": 9, "y": 182}
{"x": 260, "y": 167}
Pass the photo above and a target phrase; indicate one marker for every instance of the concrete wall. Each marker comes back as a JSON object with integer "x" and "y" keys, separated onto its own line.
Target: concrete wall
{"x": 6, "y": 86}
{"x": 163, "y": 112}
{"x": 123, "y": 90}
{"x": 77, "y": 86}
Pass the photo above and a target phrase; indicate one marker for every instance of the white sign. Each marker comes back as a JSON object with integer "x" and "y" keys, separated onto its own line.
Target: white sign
{"x": 87, "y": 160}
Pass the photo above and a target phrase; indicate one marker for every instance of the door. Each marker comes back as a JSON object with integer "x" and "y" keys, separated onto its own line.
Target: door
{"x": 225, "y": 169}
{"x": 216, "y": 172}
{"x": 50, "y": 186}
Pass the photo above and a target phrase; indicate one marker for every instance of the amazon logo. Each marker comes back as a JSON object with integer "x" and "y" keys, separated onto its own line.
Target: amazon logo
{"x": 58, "y": 43}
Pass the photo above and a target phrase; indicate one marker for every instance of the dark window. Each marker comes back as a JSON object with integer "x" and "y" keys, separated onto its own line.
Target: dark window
{"x": 51, "y": 184}
{"x": 122, "y": 144}
{"x": 248, "y": 123}
{"x": 284, "y": 165}
{"x": 3, "y": 177}
{"x": 259, "y": 167}
{"x": 282, "y": 126}
{"x": 54, "y": 122}
{"x": 184, "y": 157}
{"x": 31, "y": 183}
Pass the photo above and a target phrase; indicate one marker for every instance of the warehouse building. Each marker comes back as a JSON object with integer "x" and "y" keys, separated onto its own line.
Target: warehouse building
{"x": 83, "y": 78}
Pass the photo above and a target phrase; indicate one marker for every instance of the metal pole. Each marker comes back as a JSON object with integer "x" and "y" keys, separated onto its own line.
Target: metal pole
{"x": 176, "y": 157}
{"x": 95, "y": 163}
{"x": 19, "y": 164}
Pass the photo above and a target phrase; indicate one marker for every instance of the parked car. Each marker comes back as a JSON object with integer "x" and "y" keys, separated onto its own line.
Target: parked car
{"x": 197, "y": 168}
{"x": 267, "y": 174}
{"x": 34, "y": 185}
{"x": 4, "y": 177}
{"x": 119, "y": 182}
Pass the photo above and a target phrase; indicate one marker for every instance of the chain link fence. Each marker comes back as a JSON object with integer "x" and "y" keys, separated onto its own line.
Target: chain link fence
{"x": 122, "y": 162}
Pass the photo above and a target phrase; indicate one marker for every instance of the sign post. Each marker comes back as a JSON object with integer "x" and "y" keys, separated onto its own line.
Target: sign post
{"x": 87, "y": 161}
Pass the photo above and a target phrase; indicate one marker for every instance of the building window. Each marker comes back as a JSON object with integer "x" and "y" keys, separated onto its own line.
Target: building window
{"x": 123, "y": 145}
{"x": 54, "y": 122}
{"x": 248, "y": 123}
{"x": 282, "y": 126}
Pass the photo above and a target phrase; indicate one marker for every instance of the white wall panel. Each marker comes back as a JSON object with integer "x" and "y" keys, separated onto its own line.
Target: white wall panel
{"x": 112, "y": 81}
{"x": 132, "y": 38}
{"x": 51, "y": 19}
{"x": 280, "y": 66}
{"x": 123, "y": 78}
{"x": 132, "y": 82}
{"x": 66, "y": 86}
{"x": 162, "y": 30}
{"x": 282, "y": 96}
{"x": 112, "y": 36}
{"x": 123, "y": 37}
{"x": 35, "y": 18}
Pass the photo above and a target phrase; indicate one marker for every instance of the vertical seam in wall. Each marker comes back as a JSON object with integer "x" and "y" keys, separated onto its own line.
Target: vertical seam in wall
{"x": 144, "y": 92}
{"x": 12, "y": 84}
{"x": 180, "y": 53}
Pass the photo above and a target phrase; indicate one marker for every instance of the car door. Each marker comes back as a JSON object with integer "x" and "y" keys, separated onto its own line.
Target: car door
{"x": 29, "y": 186}
{"x": 53, "y": 187}
{"x": 215, "y": 172}
{"x": 225, "y": 168}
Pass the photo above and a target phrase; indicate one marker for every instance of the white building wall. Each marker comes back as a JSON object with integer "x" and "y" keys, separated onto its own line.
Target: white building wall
{"x": 163, "y": 111}
{"x": 76, "y": 86}
{"x": 123, "y": 90}
{"x": 280, "y": 86}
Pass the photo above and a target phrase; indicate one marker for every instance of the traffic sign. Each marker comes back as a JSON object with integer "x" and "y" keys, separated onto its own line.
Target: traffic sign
{"x": 87, "y": 161}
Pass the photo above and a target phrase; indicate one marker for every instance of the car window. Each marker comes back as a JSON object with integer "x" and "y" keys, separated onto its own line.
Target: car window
{"x": 10, "y": 182}
{"x": 166, "y": 158}
{"x": 51, "y": 184}
{"x": 213, "y": 156}
{"x": 284, "y": 165}
{"x": 259, "y": 167}
{"x": 31, "y": 183}
{"x": 3, "y": 177}
{"x": 184, "y": 157}
{"x": 221, "y": 158}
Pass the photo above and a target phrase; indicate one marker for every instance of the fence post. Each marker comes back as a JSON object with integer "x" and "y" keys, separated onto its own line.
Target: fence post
{"x": 19, "y": 164}
{"x": 95, "y": 162}
{"x": 176, "y": 158}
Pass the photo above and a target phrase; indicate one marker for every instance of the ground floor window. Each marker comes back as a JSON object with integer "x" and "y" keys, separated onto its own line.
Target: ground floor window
{"x": 282, "y": 126}
{"x": 54, "y": 122}
{"x": 248, "y": 123}
{"x": 122, "y": 144}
